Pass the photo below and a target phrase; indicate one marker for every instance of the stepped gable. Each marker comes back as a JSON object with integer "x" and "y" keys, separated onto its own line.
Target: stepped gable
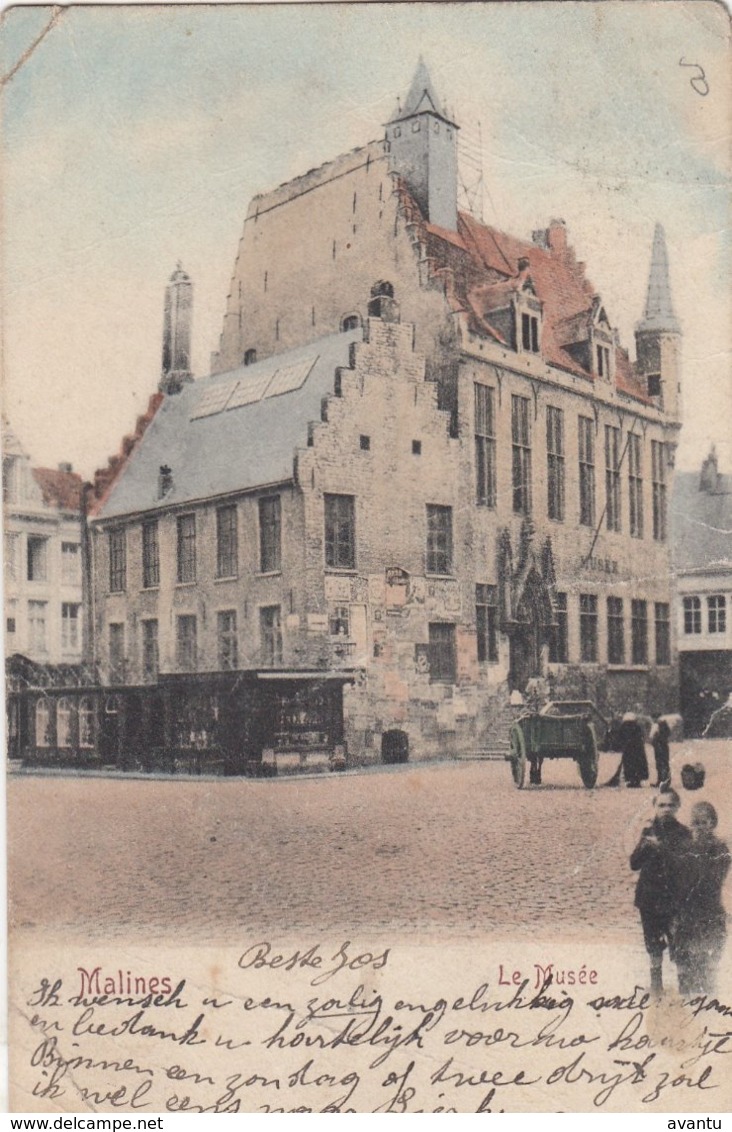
{"x": 105, "y": 478}
{"x": 60, "y": 489}
{"x": 484, "y": 265}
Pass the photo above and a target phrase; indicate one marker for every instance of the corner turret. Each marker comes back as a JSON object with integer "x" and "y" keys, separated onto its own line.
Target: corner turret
{"x": 178, "y": 311}
{"x": 658, "y": 334}
{"x": 422, "y": 140}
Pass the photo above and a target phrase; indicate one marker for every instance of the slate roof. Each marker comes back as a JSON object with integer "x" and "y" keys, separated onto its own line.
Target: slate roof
{"x": 701, "y": 524}
{"x": 485, "y": 263}
{"x": 59, "y": 489}
{"x": 232, "y": 449}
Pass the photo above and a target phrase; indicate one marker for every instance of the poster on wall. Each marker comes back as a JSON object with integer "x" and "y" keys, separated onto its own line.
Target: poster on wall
{"x": 367, "y": 479}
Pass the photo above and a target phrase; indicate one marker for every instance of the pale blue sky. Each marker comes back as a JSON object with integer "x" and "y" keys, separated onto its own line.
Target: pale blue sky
{"x": 135, "y": 136}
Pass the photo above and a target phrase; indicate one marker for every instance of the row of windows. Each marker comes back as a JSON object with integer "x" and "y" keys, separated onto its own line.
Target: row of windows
{"x": 65, "y": 723}
{"x": 339, "y": 542}
{"x": 614, "y": 454}
{"x": 227, "y": 546}
{"x": 38, "y": 626}
{"x": 186, "y": 643}
{"x": 37, "y": 559}
{"x": 716, "y": 614}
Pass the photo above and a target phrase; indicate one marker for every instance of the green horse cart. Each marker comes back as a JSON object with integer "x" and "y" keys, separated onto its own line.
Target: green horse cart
{"x": 569, "y": 729}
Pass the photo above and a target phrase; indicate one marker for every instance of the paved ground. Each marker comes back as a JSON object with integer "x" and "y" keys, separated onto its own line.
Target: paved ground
{"x": 442, "y": 846}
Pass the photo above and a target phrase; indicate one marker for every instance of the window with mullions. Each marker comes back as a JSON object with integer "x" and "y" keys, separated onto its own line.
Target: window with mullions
{"x": 663, "y": 633}
{"x": 270, "y": 534}
{"x": 588, "y": 627}
{"x": 439, "y": 539}
{"x": 37, "y": 626}
{"x": 150, "y": 650}
{"x": 228, "y": 646}
{"x": 270, "y": 632}
{"x": 559, "y": 639}
{"x": 717, "y": 613}
{"x": 186, "y": 557}
{"x": 658, "y": 471}
{"x": 150, "y": 555}
{"x": 37, "y": 559}
{"x": 186, "y": 642}
{"x": 586, "y": 428}
{"x": 486, "y": 621}
{"x": 692, "y": 615}
{"x": 116, "y": 653}
{"x": 603, "y": 361}
{"x": 521, "y": 454}
{"x": 639, "y": 631}
{"x": 443, "y": 658}
{"x": 227, "y": 557}
{"x": 340, "y": 531}
{"x": 530, "y": 333}
{"x": 635, "y": 485}
{"x": 555, "y": 462}
{"x": 70, "y": 621}
{"x": 71, "y": 563}
{"x": 615, "y": 631}
{"x": 612, "y": 478}
{"x": 485, "y": 445}
{"x": 117, "y": 560}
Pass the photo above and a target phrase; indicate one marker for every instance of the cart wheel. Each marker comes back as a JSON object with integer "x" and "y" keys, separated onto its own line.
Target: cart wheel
{"x": 588, "y": 759}
{"x": 518, "y": 756}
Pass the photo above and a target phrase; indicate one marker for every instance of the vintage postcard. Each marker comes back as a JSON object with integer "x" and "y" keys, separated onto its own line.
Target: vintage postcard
{"x": 367, "y": 476}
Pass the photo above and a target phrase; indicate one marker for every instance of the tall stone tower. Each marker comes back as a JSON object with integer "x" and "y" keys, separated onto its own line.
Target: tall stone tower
{"x": 423, "y": 145}
{"x": 177, "y": 316}
{"x": 658, "y": 334}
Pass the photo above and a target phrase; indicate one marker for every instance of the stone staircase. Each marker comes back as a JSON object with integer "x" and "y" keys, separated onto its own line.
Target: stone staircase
{"x": 495, "y": 745}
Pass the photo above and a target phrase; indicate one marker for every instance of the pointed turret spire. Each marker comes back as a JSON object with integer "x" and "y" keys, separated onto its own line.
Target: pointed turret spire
{"x": 659, "y": 312}
{"x": 176, "y": 369}
{"x": 421, "y": 97}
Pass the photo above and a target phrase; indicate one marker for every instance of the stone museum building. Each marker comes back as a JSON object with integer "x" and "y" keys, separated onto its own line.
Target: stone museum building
{"x": 423, "y": 471}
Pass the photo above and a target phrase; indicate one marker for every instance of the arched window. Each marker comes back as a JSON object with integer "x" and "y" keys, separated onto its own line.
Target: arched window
{"x": 250, "y": 357}
{"x": 63, "y": 722}
{"x": 86, "y": 722}
{"x": 350, "y": 322}
{"x": 43, "y": 723}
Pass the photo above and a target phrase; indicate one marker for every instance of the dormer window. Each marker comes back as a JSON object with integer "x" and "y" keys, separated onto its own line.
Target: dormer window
{"x": 529, "y": 333}
{"x": 603, "y": 362}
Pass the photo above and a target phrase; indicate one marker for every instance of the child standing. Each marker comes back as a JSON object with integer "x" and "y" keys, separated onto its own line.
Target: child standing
{"x": 657, "y": 858}
{"x": 701, "y": 928}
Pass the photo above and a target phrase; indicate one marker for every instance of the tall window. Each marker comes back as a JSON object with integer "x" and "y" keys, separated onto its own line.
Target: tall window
{"x": 70, "y": 620}
{"x": 227, "y": 557}
{"x": 116, "y": 652}
{"x": 117, "y": 560}
{"x": 270, "y": 533}
{"x": 37, "y": 625}
{"x": 228, "y": 647}
{"x": 150, "y": 554}
{"x": 340, "y": 531}
{"x": 443, "y": 659}
{"x": 486, "y": 620}
{"x": 63, "y": 722}
{"x": 555, "y": 462}
{"x": 270, "y": 631}
{"x": 692, "y": 615}
{"x": 150, "y": 650}
{"x": 639, "y": 631}
{"x": 588, "y": 627}
{"x": 658, "y": 470}
{"x": 71, "y": 563}
{"x": 44, "y": 736}
{"x": 559, "y": 639}
{"x": 615, "y": 631}
{"x": 635, "y": 485}
{"x": 530, "y": 333}
{"x": 485, "y": 445}
{"x": 663, "y": 633}
{"x": 37, "y": 559}
{"x": 439, "y": 539}
{"x": 717, "y": 613}
{"x": 603, "y": 361}
{"x": 612, "y": 478}
{"x": 186, "y": 548}
{"x": 186, "y": 640}
{"x": 587, "y": 471}
{"x": 521, "y": 454}
{"x": 86, "y": 722}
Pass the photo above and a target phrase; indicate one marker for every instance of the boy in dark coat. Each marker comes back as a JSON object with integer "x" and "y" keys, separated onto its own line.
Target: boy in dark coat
{"x": 658, "y": 858}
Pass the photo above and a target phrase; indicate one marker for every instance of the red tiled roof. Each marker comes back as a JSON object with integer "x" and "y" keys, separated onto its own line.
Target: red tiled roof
{"x": 485, "y": 265}
{"x": 59, "y": 489}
